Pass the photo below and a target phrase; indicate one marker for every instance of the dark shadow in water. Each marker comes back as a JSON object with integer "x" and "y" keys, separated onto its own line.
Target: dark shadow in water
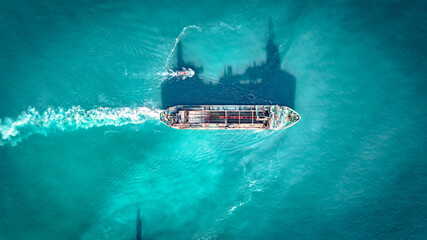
{"x": 266, "y": 83}
{"x": 138, "y": 226}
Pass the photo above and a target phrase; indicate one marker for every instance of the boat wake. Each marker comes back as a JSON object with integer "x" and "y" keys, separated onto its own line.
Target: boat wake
{"x": 211, "y": 28}
{"x": 32, "y": 122}
{"x": 177, "y": 39}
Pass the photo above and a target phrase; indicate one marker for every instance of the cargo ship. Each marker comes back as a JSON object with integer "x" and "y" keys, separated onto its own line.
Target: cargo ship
{"x": 238, "y": 117}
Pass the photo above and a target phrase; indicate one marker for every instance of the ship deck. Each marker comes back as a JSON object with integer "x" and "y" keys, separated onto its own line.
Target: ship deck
{"x": 222, "y": 116}
{"x": 226, "y": 114}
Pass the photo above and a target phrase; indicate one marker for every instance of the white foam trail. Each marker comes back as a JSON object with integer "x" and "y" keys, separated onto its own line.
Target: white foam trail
{"x": 32, "y": 122}
{"x": 236, "y": 206}
{"x": 181, "y": 34}
{"x": 170, "y": 73}
{"x": 228, "y": 26}
{"x": 213, "y": 28}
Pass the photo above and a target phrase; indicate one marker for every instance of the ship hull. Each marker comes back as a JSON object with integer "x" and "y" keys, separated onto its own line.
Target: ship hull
{"x": 229, "y": 117}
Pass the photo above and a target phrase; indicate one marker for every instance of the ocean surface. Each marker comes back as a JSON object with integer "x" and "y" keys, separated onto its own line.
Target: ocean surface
{"x": 82, "y": 151}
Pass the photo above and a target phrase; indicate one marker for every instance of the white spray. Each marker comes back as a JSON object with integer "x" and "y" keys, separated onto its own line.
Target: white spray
{"x": 32, "y": 122}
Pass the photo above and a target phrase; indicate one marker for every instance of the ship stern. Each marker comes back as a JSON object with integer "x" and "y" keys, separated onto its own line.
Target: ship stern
{"x": 164, "y": 118}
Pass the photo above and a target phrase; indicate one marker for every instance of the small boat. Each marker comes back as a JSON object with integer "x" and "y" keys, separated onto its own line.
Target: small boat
{"x": 233, "y": 117}
{"x": 185, "y": 73}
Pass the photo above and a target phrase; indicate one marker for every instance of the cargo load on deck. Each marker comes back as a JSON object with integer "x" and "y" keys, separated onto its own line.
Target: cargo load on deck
{"x": 238, "y": 117}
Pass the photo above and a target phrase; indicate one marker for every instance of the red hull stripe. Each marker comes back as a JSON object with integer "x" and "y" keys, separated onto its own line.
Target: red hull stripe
{"x": 237, "y": 117}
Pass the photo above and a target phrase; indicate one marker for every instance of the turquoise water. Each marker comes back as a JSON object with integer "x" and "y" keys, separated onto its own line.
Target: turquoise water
{"x": 81, "y": 150}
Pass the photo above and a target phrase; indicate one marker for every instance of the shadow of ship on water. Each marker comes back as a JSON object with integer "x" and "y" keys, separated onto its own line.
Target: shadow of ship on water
{"x": 260, "y": 84}
{"x": 139, "y": 226}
